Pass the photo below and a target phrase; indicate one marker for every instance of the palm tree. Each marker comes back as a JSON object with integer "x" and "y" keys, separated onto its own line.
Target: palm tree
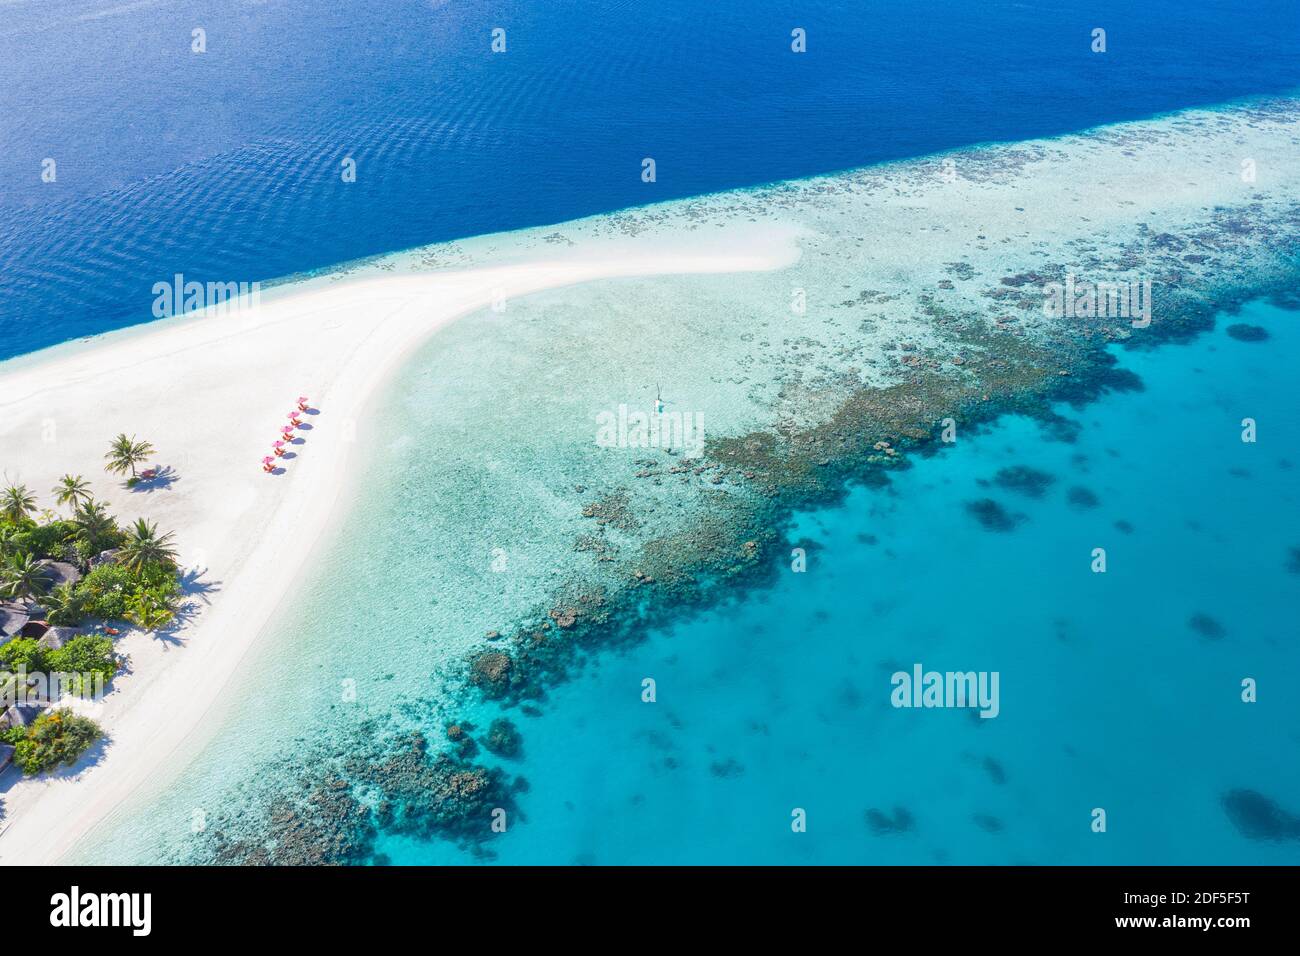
{"x": 95, "y": 525}
{"x": 144, "y": 545}
{"x": 16, "y": 502}
{"x": 148, "y": 610}
{"x": 125, "y": 453}
{"x": 72, "y": 490}
{"x": 63, "y": 605}
{"x": 22, "y": 577}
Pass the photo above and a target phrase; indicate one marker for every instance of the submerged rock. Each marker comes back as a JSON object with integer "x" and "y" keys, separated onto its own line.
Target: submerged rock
{"x": 490, "y": 672}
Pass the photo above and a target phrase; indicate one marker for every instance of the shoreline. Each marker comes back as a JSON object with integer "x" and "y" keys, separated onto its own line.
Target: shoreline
{"x": 210, "y": 416}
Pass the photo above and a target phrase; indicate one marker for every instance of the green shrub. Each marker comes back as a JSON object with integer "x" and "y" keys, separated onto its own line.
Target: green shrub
{"x": 24, "y": 652}
{"x": 82, "y": 657}
{"x": 54, "y": 738}
{"x": 160, "y": 579}
{"x": 104, "y": 591}
{"x": 82, "y": 551}
{"x": 45, "y": 540}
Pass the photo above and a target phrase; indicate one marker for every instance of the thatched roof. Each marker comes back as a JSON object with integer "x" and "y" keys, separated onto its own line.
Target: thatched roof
{"x": 58, "y": 572}
{"x": 13, "y": 617}
{"x": 56, "y": 637}
{"x": 21, "y": 715}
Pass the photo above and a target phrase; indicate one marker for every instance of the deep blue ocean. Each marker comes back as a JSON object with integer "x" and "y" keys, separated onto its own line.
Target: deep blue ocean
{"x": 226, "y": 165}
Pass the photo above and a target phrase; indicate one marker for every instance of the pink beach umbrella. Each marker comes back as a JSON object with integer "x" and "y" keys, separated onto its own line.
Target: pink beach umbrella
{"x": 302, "y": 403}
{"x": 278, "y": 446}
{"x": 294, "y": 416}
{"x": 268, "y": 463}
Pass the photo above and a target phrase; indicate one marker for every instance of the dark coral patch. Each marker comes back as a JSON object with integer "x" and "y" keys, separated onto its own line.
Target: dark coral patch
{"x": 1024, "y": 480}
{"x": 726, "y": 768}
{"x": 883, "y": 824}
{"x": 1206, "y": 626}
{"x": 1081, "y": 498}
{"x": 503, "y": 738}
{"x": 992, "y": 516}
{"x": 1257, "y": 817}
{"x": 336, "y": 808}
{"x": 995, "y": 771}
{"x": 1248, "y": 333}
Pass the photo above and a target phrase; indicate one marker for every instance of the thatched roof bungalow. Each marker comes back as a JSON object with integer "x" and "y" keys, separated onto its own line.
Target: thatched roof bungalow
{"x": 21, "y": 715}
{"x": 58, "y": 572}
{"x": 56, "y": 637}
{"x": 13, "y": 618}
{"x": 35, "y": 628}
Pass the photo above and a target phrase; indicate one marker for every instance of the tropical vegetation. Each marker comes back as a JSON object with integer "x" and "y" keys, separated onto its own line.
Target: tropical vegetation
{"x": 83, "y": 658}
{"x": 57, "y": 737}
{"x": 127, "y": 572}
{"x": 136, "y": 580}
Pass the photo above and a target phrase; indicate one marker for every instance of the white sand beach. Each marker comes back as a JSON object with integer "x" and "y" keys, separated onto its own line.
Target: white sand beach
{"x": 211, "y": 393}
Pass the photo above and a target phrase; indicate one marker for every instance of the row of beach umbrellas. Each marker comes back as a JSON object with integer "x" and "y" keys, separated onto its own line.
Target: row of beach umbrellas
{"x": 286, "y": 435}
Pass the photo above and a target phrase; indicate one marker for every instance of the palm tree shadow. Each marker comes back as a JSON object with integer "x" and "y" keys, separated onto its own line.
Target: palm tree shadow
{"x": 193, "y": 585}
{"x": 91, "y": 756}
{"x": 160, "y": 478}
{"x": 170, "y": 633}
{"x": 197, "y": 593}
{"x": 123, "y": 667}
